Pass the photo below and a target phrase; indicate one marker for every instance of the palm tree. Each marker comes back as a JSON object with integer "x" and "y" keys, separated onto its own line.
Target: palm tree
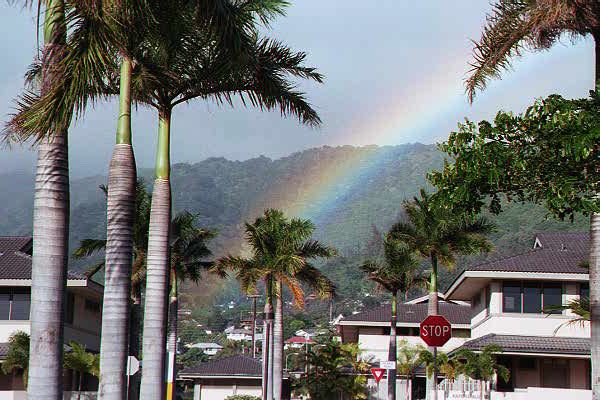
{"x": 82, "y": 362}
{"x": 409, "y": 361}
{"x": 395, "y": 275}
{"x": 440, "y": 234}
{"x": 186, "y": 65}
{"x": 187, "y": 250}
{"x": 482, "y": 366}
{"x": 281, "y": 250}
{"x": 513, "y": 27}
{"x": 17, "y": 356}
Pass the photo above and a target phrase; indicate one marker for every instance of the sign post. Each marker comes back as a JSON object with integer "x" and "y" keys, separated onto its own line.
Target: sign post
{"x": 435, "y": 330}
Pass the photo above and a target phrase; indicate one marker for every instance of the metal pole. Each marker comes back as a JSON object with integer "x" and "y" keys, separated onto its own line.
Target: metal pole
{"x": 435, "y": 374}
{"x": 254, "y": 327}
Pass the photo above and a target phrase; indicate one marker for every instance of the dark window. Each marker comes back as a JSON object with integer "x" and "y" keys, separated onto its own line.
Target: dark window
{"x": 92, "y": 306}
{"x": 527, "y": 363}
{"x": 4, "y": 306}
{"x": 532, "y": 297}
{"x": 552, "y": 297}
{"x": 476, "y": 300}
{"x": 69, "y": 308}
{"x": 511, "y": 297}
{"x": 488, "y": 296}
{"x": 584, "y": 290}
{"x": 21, "y": 303}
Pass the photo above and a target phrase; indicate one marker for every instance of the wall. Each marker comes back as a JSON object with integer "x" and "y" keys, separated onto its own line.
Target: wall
{"x": 7, "y": 328}
{"x": 210, "y": 392}
{"x": 376, "y": 346}
{"x": 543, "y": 394}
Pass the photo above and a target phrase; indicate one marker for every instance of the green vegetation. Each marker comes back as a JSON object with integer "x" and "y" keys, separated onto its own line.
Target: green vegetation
{"x": 242, "y": 397}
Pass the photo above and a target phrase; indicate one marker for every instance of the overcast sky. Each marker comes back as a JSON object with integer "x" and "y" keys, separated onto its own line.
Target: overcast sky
{"x": 394, "y": 74}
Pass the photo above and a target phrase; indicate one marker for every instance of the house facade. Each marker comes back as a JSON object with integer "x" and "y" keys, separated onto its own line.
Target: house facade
{"x": 371, "y": 328}
{"x": 516, "y": 303}
{"x": 83, "y": 309}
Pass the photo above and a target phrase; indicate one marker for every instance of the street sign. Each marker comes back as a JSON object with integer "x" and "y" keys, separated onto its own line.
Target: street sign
{"x": 133, "y": 365}
{"x": 387, "y": 365}
{"x": 435, "y": 330}
{"x": 377, "y": 373}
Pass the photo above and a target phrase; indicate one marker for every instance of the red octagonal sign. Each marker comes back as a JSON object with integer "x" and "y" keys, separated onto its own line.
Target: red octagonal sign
{"x": 435, "y": 330}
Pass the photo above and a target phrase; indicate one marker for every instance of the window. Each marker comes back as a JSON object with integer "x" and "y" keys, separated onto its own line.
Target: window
{"x": 476, "y": 300}
{"x": 69, "y": 308}
{"x": 532, "y": 297}
{"x": 21, "y": 302}
{"x": 15, "y": 304}
{"x": 92, "y": 306}
{"x": 552, "y": 297}
{"x": 511, "y": 297}
{"x": 584, "y": 290}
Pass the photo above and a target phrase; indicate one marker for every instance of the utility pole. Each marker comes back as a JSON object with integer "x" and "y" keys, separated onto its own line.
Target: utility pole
{"x": 254, "y": 297}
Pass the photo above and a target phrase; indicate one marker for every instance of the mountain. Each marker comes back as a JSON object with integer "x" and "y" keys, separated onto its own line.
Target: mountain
{"x": 345, "y": 190}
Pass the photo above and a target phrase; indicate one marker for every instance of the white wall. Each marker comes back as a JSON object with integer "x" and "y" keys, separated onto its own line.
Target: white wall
{"x": 533, "y": 393}
{"x": 7, "y": 328}
{"x": 376, "y": 346}
{"x": 209, "y": 392}
{"x": 530, "y": 325}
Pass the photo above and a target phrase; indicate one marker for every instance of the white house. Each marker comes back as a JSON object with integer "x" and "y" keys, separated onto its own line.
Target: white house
{"x": 371, "y": 328}
{"x": 210, "y": 349}
{"x": 239, "y": 334}
{"x": 83, "y": 308}
{"x": 512, "y": 300}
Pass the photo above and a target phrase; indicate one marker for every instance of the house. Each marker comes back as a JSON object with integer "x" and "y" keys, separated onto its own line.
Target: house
{"x": 513, "y": 301}
{"x": 239, "y": 334}
{"x": 236, "y": 375}
{"x": 371, "y": 328}
{"x": 297, "y": 342}
{"x": 210, "y": 349}
{"x": 83, "y": 308}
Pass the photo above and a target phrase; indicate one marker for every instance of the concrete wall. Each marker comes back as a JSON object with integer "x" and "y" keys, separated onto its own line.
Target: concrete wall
{"x": 209, "y": 392}
{"x": 376, "y": 346}
{"x": 533, "y": 393}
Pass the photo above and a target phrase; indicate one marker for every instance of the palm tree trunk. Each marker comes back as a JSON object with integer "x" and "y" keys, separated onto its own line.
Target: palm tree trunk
{"x": 392, "y": 349}
{"x": 266, "y": 354}
{"x": 155, "y": 309}
{"x": 50, "y": 235}
{"x": 119, "y": 252}
{"x": 134, "y": 338}
{"x": 595, "y": 264}
{"x": 79, "y": 385}
{"x": 172, "y": 339}
{"x": 432, "y": 309}
{"x": 278, "y": 344}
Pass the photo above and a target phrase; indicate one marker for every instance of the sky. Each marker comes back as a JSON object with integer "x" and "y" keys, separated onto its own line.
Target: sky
{"x": 394, "y": 73}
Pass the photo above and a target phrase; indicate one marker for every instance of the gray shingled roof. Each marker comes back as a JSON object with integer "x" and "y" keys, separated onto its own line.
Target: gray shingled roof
{"x": 3, "y": 350}
{"x": 238, "y": 365}
{"x": 560, "y": 253}
{"x": 15, "y": 262}
{"x": 533, "y": 344}
{"x": 414, "y": 313}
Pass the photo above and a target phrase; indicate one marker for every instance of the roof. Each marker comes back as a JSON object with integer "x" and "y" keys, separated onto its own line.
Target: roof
{"x": 238, "y": 365}
{"x": 239, "y": 332}
{"x": 299, "y": 339}
{"x": 3, "y": 350}
{"x": 15, "y": 259}
{"x": 532, "y": 344}
{"x": 412, "y": 314}
{"x": 554, "y": 253}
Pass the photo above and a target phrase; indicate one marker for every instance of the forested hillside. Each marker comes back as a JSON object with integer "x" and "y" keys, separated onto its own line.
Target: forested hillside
{"x": 349, "y": 192}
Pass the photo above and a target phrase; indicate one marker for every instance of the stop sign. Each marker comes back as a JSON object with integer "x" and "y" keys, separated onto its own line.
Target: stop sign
{"x": 435, "y": 330}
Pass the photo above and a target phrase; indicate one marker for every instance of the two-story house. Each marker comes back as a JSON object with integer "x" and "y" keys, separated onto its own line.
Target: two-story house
{"x": 371, "y": 328}
{"x": 516, "y": 304}
{"x": 82, "y": 309}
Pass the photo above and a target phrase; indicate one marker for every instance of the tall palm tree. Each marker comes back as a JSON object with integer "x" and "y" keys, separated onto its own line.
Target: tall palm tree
{"x": 513, "y": 27}
{"x": 439, "y": 234}
{"x": 409, "y": 361}
{"x": 395, "y": 274}
{"x": 281, "y": 249}
{"x": 187, "y": 251}
{"x": 186, "y": 65}
{"x": 17, "y": 356}
{"x": 106, "y": 33}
